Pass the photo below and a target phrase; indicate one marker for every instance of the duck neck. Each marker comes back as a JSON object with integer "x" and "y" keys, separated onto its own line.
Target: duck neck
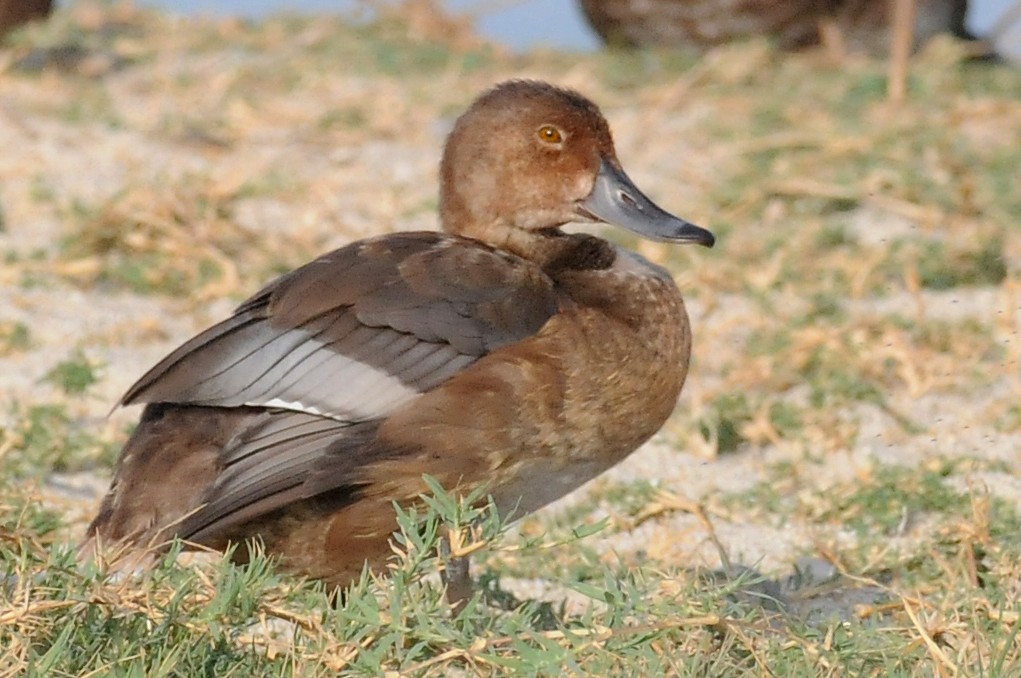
{"x": 550, "y": 249}
{"x": 525, "y": 244}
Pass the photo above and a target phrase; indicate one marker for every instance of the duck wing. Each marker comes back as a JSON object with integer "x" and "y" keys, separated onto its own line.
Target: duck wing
{"x": 317, "y": 359}
{"x": 360, "y": 331}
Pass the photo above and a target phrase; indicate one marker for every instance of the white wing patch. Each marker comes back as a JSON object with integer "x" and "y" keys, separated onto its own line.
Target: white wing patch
{"x": 345, "y": 389}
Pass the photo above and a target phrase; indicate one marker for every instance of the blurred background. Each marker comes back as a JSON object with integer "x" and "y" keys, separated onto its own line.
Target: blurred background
{"x": 525, "y": 24}
{"x": 559, "y": 24}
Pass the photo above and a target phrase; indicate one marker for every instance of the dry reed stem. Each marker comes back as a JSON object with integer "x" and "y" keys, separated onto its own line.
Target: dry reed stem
{"x": 903, "y": 21}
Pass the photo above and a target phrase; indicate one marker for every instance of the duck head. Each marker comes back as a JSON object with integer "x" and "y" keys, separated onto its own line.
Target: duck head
{"x": 528, "y": 157}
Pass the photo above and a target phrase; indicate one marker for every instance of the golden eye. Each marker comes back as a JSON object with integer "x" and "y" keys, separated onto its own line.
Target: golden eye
{"x": 550, "y": 134}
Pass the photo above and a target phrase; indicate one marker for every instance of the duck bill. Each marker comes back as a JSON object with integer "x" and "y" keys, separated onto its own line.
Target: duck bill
{"x": 616, "y": 200}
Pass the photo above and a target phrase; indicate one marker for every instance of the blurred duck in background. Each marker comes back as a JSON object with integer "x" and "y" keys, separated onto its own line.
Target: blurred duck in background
{"x": 847, "y": 25}
{"x": 14, "y": 13}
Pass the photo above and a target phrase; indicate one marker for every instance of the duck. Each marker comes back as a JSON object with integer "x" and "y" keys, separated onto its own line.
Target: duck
{"x": 502, "y": 352}
{"x": 863, "y": 25}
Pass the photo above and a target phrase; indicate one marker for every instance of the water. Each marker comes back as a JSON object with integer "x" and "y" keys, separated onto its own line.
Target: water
{"x": 523, "y": 24}
{"x": 519, "y": 24}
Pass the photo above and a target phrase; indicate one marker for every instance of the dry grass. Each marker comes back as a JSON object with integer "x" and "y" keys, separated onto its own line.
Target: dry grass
{"x": 852, "y": 415}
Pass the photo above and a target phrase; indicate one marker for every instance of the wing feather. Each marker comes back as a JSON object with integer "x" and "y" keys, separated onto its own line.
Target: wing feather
{"x": 374, "y": 323}
{"x": 268, "y": 468}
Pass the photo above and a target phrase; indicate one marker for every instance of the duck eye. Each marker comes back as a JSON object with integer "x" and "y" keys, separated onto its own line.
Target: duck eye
{"x": 550, "y": 134}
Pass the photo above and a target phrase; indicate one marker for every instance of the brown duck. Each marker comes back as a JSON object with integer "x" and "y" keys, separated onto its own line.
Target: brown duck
{"x": 502, "y": 352}
{"x": 864, "y": 25}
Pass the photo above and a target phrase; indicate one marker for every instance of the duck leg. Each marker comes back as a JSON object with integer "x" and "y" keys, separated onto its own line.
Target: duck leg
{"x": 456, "y": 575}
